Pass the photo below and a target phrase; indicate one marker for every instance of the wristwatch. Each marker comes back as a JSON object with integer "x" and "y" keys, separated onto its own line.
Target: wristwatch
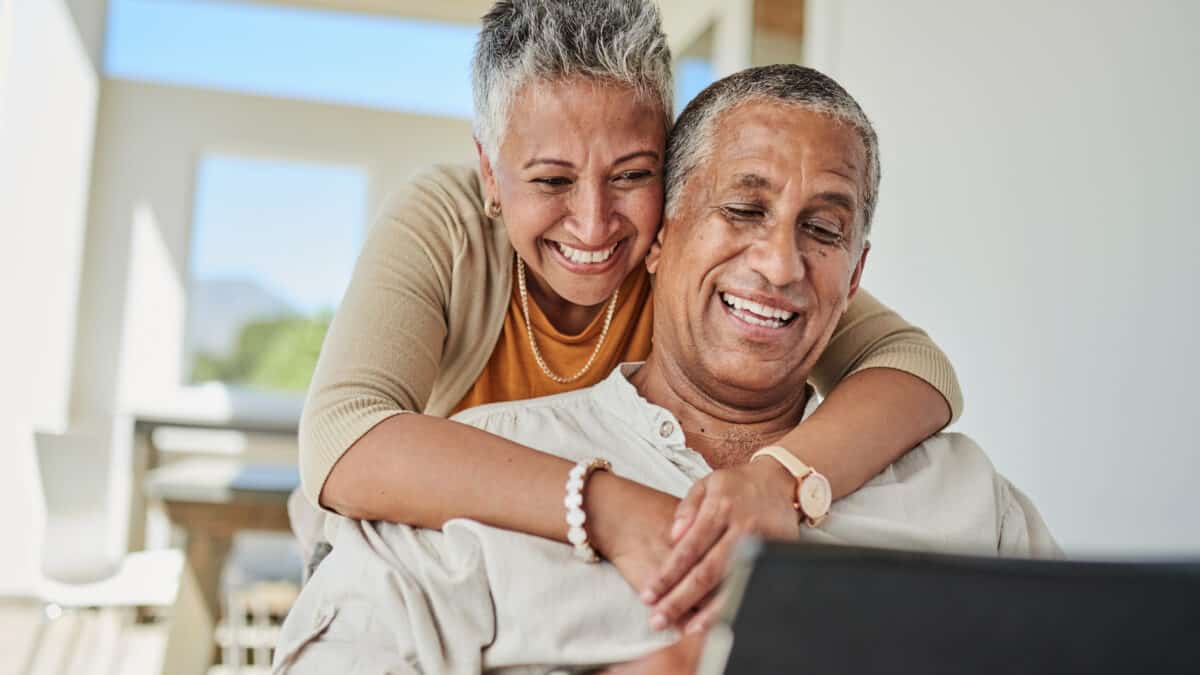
{"x": 813, "y": 494}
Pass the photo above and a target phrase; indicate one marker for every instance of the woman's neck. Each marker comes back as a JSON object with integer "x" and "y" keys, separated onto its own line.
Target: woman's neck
{"x": 567, "y": 317}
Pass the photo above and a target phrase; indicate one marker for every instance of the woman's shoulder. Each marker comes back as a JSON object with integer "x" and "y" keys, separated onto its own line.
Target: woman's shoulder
{"x": 455, "y": 182}
{"x": 442, "y": 203}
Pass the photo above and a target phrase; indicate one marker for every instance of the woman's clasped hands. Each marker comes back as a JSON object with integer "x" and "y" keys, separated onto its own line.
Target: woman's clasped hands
{"x": 676, "y": 558}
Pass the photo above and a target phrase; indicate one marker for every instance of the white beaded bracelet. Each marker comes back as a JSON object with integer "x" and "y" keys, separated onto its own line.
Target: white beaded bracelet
{"x": 574, "y": 503}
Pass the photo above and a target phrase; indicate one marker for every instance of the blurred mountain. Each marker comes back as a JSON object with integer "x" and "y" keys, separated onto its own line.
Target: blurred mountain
{"x": 218, "y": 309}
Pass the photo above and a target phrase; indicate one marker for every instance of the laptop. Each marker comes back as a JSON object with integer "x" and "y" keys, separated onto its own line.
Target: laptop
{"x": 831, "y": 609}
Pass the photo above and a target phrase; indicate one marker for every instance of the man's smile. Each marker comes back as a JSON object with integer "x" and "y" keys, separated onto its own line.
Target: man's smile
{"x": 767, "y": 314}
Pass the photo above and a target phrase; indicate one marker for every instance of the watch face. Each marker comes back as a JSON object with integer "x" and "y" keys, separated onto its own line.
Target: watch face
{"x": 815, "y": 496}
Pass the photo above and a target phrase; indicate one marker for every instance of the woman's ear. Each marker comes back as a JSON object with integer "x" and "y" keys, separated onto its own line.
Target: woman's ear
{"x": 486, "y": 174}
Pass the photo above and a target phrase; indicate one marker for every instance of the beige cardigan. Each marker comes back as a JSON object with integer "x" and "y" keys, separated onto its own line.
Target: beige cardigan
{"x": 427, "y": 301}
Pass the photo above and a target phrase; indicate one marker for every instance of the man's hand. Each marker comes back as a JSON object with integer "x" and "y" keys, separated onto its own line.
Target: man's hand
{"x": 751, "y": 499}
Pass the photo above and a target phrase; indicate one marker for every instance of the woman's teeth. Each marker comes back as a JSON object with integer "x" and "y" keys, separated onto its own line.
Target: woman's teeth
{"x": 756, "y": 314}
{"x": 585, "y": 257}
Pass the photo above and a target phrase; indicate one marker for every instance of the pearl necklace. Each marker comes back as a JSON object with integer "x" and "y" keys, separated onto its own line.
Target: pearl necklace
{"x": 537, "y": 353}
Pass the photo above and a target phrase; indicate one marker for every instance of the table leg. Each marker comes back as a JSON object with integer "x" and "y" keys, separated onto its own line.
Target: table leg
{"x": 206, "y": 554}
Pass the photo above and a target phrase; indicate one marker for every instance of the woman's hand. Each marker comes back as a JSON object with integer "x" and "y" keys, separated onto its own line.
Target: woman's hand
{"x": 681, "y": 658}
{"x": 629, "y": 525}
{"x": 755, "y": 498}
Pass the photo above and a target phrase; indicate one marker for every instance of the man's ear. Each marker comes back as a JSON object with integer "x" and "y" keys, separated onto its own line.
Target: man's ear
{"x": 858, "y": 270}
{"x": 655, "y": 255}
{"x": 486, "y": 174}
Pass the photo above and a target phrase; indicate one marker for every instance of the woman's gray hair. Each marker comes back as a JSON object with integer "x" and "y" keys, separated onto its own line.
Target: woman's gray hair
{"x": 692, "y": 139}
{"x": 523, "y": 41}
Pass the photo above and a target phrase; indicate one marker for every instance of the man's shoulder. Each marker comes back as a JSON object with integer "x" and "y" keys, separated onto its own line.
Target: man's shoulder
{"x": 951, "y": 452}
{"x": 568, "y": 405}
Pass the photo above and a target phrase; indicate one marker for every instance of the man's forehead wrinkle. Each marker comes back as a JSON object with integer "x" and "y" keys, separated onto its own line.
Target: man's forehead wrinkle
{"x": 848, "y": 170}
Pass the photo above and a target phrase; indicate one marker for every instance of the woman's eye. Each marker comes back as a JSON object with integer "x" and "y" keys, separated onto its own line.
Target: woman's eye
{"x": 553, "y": 181}
{"x": 823, "y": 232}
{"x": 630, "y": 176}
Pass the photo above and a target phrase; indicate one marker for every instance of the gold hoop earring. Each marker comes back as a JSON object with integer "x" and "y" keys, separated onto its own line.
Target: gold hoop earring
{"x": 491, "y": 208}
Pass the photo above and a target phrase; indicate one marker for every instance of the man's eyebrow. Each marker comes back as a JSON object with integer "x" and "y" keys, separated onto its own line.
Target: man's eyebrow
{"x": 548, "y": 160}
{"x": 750, "y": 181}
{"x": 840, "y": 199}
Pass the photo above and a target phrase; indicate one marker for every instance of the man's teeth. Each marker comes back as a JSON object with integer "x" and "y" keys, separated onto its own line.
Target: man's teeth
{"x": 585, "y": 257}
{"x": 756, "y": 314}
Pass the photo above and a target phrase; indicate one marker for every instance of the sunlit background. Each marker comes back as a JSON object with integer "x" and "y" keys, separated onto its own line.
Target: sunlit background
{"x": 185, "y": 186}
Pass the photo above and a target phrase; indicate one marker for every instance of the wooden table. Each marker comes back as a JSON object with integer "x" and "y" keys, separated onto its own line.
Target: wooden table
{"x": 214, "y": 499}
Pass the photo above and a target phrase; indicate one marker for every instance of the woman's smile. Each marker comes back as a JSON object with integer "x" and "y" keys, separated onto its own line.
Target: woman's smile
{"x": 587, "y": 261}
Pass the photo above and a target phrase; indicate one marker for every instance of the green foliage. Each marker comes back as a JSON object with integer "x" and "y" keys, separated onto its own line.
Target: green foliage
{"x": 278, "y": 354}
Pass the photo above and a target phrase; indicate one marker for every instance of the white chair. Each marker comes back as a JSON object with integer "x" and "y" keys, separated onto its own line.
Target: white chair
{"x": 86, "y": 481}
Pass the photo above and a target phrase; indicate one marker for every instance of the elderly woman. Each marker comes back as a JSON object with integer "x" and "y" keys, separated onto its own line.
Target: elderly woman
{"x": 526, "y": 278}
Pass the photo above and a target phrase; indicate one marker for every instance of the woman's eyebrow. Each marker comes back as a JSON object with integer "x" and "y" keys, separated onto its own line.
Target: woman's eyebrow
{"x": 634, "y": 155}
{"x": 548, "y": 160}
{"x": 564, "y": 163}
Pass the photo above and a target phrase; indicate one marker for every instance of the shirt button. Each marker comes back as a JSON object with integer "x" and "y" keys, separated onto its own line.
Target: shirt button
{"x": 666, "y": 429}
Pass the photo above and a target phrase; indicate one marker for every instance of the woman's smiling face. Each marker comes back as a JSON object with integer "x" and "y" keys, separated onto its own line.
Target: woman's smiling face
{"x": 578, "y": 177}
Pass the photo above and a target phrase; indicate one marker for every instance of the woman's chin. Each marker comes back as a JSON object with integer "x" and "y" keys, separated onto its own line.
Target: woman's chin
{"x": 586, "y": 290}
{"x": 589, "y": 297}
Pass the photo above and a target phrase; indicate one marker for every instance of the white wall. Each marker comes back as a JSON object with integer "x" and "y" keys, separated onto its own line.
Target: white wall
{"x": 149, "y": 139}
{"x": 48, "y": 90}
{"x": 1039, "y": 216}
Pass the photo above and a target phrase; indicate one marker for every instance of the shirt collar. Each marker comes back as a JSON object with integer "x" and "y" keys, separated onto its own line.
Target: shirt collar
{"x": 653, "y": 423}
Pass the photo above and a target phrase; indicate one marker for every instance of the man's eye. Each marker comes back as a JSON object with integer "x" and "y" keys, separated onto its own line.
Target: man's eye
{"x": 553, "y": 181}
{"x": 742, "y": 212}
{"x": 823, "y": 232}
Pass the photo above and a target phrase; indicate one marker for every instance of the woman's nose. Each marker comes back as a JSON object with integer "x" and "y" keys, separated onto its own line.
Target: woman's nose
{"x": 591, "y": 219}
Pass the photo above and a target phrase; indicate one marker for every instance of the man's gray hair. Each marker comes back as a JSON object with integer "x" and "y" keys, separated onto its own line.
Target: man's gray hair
{"x": 523, "y": 41}
{"x": 691, "y": 142}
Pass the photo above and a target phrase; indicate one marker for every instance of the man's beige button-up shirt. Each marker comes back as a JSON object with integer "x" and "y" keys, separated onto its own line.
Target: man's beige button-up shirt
{"x": 473, "y": 598}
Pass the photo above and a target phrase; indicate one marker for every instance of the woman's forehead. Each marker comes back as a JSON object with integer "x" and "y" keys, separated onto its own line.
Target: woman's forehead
{"x": 569, "y": 116}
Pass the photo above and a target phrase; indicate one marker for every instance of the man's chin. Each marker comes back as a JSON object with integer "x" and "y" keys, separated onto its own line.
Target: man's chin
{"x": 753, "y": 380}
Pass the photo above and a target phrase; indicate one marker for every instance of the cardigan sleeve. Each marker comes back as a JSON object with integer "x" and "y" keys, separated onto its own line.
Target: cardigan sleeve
{"x": 384, "y": 348}
{"x": 871, "y": 335}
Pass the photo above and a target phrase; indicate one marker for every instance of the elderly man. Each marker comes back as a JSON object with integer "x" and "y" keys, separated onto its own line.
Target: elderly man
{"x": 773, "y": 174}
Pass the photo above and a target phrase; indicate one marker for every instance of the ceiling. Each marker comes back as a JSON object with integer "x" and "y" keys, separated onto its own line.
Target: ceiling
{"x": 683, "y": 20}
{"x": 461, "y": 11}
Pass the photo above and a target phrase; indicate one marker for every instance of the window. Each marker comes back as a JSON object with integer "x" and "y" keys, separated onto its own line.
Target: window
{"x": 273, "y": 247}
{"x": 692, "y": 75}
{"x": 694, "y": 68}
{"x": 383, "y": 62}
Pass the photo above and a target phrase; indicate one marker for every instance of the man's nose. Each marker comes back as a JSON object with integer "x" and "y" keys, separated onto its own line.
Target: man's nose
{"x": 777, "y": 257}
{"x": 592, "y": 218}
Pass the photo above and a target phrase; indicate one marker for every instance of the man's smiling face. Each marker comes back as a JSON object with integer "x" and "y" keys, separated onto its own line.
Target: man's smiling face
{"x": 758, "y": 262}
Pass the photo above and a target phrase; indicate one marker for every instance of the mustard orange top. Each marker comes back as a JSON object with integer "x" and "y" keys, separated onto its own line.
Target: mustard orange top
{"x": 512, "y": 373}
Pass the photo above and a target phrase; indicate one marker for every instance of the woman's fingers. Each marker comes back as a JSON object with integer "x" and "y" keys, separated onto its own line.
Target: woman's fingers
{"x": 704, "y": 617}
{"x": 685, "y": 513}
{"x": 706, "y": 529}
{"x": 702, "y": 580}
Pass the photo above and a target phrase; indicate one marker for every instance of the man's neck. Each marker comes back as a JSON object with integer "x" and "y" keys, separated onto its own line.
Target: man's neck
{"x": 724, "y": 434}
